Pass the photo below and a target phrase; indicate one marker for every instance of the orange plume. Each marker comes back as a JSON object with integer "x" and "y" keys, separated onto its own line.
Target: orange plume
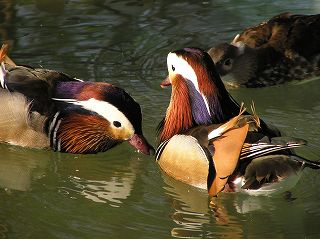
{"x": 179, "y": 116}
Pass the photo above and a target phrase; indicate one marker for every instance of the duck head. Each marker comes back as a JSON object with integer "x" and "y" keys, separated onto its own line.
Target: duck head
{"x": 93, "y": 117}
{"x": 198, "y": 94}
{"x": 236, "y": 62}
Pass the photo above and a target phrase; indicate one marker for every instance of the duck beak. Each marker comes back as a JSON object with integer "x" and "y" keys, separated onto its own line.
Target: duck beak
{"x": 141, "y": 144}
{"x": 166, "y": 82}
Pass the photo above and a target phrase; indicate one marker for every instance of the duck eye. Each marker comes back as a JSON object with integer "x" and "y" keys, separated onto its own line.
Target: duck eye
{"x": 228, "y": 62}
{"x": 117, "y": 124}
{"x": 173, "y": 68}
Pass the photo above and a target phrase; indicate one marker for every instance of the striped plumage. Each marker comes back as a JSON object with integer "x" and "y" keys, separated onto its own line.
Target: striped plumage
{"x": 280, "y": 50}
{"x": 64, "y": 113}
{"x": 225, "y": 148}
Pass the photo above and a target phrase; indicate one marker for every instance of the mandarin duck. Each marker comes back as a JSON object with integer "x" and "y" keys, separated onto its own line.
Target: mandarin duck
{"x": 43, "y": 108}
{"x": 209, "y": 141}
{"x": 282, "y": 49}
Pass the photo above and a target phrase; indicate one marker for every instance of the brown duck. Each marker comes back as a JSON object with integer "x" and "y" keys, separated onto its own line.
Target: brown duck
{"x": 282, "y": 49}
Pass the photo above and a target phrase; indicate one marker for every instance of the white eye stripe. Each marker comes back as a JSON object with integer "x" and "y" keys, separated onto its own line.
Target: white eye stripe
{"x": 104, "y": 109}
{"x": 183, "y": 68}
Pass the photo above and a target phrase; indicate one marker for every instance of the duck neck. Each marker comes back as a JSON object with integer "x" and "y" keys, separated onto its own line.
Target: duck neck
{"x": 220, "y": 104}
{"x": 179, "y": 115}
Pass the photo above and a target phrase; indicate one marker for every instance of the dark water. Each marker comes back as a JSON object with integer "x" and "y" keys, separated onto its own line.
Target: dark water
{"x": 123, "y": 194}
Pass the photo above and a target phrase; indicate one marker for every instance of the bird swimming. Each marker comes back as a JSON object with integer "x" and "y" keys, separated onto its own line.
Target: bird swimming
{"x": 208, "y": 140}
{"x": 283, "y": 49}
{"x": 46, "y": 109}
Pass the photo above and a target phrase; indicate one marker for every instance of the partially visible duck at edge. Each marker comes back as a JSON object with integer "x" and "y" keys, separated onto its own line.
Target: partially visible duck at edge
{"x": 46, "y": 109}
{"x": 282, "y": 49}
{"x": 209, "y": 141}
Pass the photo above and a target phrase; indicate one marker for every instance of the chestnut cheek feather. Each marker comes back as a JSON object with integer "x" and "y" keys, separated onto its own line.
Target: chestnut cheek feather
{"x": 178, "y": 116}
{"x": 85, "y": 134}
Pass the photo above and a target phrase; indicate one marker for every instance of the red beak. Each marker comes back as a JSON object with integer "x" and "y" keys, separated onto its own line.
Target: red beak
{"x": 166, "y": 82}
{"x": 141, "y": 144}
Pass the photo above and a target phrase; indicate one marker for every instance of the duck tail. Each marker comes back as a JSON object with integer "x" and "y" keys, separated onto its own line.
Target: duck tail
{"x": 4, "y": 59}
{"x": 3, "y": 73}
{"x": 311, "y": 164}
{"x": 17, "y": 125}
{"x": 3, "y": 52}
{"x": 307, "y": 163}
{"x": 4, "y": 56}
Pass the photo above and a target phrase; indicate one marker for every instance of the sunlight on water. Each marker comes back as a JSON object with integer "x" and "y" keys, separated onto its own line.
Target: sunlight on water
{"x": 114, "y": 191}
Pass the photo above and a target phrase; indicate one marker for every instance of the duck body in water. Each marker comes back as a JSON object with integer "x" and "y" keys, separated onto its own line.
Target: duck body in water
{"x": 280, "y": 50}
{"x": 209, "y": 141}
{"x": 44, "y": 109}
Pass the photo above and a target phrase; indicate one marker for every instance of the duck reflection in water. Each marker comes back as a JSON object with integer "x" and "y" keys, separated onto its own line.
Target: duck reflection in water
{"x": 231, "y": 215}
{"x": 90, "y": 177}
{"x": 194, "y": 217}
{"x": 17, "y": 172}
{"x": 77, "y": 176}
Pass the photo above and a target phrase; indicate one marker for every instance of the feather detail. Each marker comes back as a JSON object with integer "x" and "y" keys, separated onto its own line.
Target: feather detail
{"x": 221, "y": 105}
{"x": 226, "y": 157}
{"x": 226, "y": 126}
{"x": 263, "y": 148}
{"x": 17, "y": 125}
{"x": 3, "y": 52}
{"x": 3, "y": 55}
{"x": 270, "y": 169}
{"x": 3, "y": 71}
{"x": 84, "y": 134}
{"x": 178, "y": 116}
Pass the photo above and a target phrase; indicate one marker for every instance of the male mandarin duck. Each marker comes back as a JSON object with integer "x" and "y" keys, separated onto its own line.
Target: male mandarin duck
{"x": 282, "y": 49}
{"x": 208, "y": 141}
{"x": 43, "y": 108}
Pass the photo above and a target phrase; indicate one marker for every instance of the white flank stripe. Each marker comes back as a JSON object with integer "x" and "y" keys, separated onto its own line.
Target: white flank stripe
{"x": 216, "y": 133}
{"x": 160, "y": 148}
{"x": 59, "y": 145}
{"x": 53, "y": 122}
{"x": 3, "y": 72}
{"x": 54, "y": 139}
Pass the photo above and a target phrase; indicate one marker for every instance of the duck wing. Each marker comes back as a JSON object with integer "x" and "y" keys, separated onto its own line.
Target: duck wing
{"x": 38, "y": 85}
{"x": 304, "y": 35}
{"x": 270, "y": 169}
{"x": 267, "y": 146}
